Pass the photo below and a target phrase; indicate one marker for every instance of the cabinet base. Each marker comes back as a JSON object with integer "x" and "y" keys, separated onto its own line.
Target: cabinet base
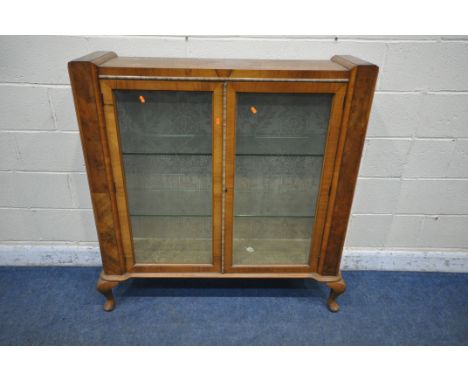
{"x": 106, "y": 283}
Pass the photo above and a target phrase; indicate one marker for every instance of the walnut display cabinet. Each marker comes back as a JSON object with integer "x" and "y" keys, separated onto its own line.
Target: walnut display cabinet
{"x": 221, "y": 168}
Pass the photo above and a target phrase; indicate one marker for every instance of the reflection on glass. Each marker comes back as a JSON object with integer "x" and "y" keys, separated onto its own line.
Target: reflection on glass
{"x": 166, "y": 146}
{"x": 280, "y": 141}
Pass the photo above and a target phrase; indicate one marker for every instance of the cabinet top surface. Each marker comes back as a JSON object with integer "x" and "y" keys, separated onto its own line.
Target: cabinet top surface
{"x": 109, "y": 65}
{"x": 226, "y": 64}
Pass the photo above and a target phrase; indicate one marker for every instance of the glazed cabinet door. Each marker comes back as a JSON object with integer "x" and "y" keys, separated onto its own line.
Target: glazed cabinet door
{"x": 166, "y": 142}
{"x": 280, "y": 148}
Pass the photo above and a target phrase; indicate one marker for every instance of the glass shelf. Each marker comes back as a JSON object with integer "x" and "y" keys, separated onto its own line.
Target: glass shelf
{"x": 311, "y": 145}
{"x": 169, "y": 202}
{"x": 277, "y": 216}
{"x": 272, "y": 240}
{"x": 164, "y": 153}
{"x": 209, "y": 154}
{"x": 172, "y": 239}
{"x": 147, "y": 142}
{"x": 172, "y": 216}
{"x": 271, "y": 251}
{"x": 151, "y": 144}
{"x": 173, "y": 251}
{"x": 240, "y": 216}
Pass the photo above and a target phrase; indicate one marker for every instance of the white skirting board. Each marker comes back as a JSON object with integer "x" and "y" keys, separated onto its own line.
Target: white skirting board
{"x": 405, "y": 260}
{"x": 354, "y": 259}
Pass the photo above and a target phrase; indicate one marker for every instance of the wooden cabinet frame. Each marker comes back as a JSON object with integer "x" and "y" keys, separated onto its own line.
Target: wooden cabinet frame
{"x": 94, "y": 78}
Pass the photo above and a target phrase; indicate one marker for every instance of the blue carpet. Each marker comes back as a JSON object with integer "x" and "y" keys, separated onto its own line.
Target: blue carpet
{"x": 59, "y": 306}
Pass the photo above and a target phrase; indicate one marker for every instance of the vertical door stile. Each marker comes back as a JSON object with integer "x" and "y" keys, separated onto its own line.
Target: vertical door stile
{"x": 223, "y": 226}
{"x": 217, "y": 176}
{"x": 324, "y": 197}
{"x": 229, "y": 167}
{"x": 112, "y": 131}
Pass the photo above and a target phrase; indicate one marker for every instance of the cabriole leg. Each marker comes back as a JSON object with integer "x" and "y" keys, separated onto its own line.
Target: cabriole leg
{"x": 337, "y": 288}
{"x": 105, "y": 287}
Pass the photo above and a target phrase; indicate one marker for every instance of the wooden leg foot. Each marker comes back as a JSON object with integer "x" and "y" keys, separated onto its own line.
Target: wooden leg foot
{"x": 336, "y": 288}
{"x": 105, "y": 287}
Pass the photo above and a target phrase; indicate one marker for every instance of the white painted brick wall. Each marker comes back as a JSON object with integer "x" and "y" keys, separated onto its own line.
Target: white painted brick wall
{"x": 386, "y": 122}
{"x": 385, "y": 157}
{"x": 43, "y": 151}
{"x": 425, "y": 66}
{"x": 429, "y": 158}
{"x": 443, "y": 115}
{"x": 413, "y": 188}
{"x": 25, "y": 108}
